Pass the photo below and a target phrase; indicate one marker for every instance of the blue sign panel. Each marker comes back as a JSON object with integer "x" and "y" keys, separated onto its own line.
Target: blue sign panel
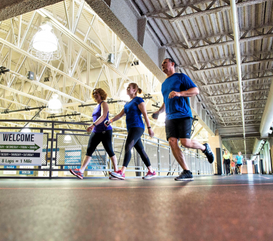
{"x": 72, "y": 167}
{"x": 13, "y": 167}
{"x": 26, "y": 172}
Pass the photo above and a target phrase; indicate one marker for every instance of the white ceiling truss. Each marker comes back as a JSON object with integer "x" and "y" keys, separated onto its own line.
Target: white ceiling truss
{"x": 85, "y": 44}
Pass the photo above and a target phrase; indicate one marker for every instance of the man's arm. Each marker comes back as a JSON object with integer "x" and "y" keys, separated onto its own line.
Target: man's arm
{"x": 161, "y": 109}
{"x": 185, "y": 93}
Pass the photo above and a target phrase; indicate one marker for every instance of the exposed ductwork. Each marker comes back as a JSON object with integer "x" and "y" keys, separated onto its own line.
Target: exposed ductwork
{"x": 235, "y": 26}
{"x": 267, "y": 115}
{"x": 257, "y": 145}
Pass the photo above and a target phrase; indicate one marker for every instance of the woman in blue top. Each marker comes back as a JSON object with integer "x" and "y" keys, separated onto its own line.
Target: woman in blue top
{"x": 239, "y": 159}
{"x": 100, "y": 133}
{"x": 135, "y": 127}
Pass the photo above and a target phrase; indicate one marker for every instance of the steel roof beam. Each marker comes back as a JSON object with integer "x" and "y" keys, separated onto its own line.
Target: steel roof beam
{"x": 233, "y": 65}
{"x": 230, "y": 42}
{"x": 218, "y": 38}
{"x": 199, "y": 13}
{"x": 239, "y": 121}
{"x": 228, "y": 111}
{"x": 236, "y": 103}
{"x": 236, "y": 82}
{"x": 232, "y": 94}
{"x": 238, "y": 117}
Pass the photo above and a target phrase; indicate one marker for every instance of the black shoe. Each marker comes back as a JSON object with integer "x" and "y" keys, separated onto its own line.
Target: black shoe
{"x": 208, "y": 153}
{"x": 186, "y": 175}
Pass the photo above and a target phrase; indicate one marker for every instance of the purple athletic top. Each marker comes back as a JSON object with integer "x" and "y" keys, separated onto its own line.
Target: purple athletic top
{"x": 96, "y": 115}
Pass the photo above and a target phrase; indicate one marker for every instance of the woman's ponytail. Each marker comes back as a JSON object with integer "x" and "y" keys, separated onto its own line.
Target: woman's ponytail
{"x": 135, "y": 87}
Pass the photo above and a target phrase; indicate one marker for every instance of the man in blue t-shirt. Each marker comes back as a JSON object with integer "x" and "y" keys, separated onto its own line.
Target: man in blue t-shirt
{"x": 176, "y": 90}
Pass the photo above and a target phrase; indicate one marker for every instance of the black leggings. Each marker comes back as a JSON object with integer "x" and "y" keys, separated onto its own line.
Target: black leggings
{"x": 95, "y": 139}
{"x": 134, "y": 140}
{"x": 227, "y": 165}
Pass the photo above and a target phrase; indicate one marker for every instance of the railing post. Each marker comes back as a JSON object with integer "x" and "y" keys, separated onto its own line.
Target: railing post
{"x": 51, "y": 149}
{"x": 170, "y": 160}
{"x": 158, "y": 158}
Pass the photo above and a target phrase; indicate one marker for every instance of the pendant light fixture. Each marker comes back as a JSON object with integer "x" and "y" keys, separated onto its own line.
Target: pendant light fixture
{"x": 45, "y": 44}
{"x": 26, "y": 130}
{"x": 54, "y": 105}
{"x": 67, "y": 139}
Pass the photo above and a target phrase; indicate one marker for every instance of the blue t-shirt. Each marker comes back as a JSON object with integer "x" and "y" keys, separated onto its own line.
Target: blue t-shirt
{"x": 239, "y": 159}
{"x": 133, "y": 114}
{"x": 177, "y": 107}
{"x": 96, "y": 115}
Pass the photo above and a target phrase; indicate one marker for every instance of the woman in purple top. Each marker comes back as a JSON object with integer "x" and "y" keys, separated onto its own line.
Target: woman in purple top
{"x": 100, "y": 133}
{"x": 135, "y": 126}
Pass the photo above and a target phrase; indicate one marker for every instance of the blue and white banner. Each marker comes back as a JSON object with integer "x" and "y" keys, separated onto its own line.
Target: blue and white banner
{"x": 73, "y": 156}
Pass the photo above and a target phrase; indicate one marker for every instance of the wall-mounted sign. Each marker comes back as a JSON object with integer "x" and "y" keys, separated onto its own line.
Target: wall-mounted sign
{"x": 17, "y": 148}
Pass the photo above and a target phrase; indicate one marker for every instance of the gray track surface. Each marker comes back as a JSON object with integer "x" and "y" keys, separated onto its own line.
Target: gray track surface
{"x": 208, "y": 208}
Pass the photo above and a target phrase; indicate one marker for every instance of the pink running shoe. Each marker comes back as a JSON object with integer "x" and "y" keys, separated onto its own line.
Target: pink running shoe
{"x": 118, "y": 174}
{"x": 113, "y": 178}
{"x": 77, "y": 173}
{"x": 149, "y": 175}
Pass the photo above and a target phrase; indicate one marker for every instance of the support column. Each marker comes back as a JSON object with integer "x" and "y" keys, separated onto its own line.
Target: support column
{"x": 267, "y": 157}
{"x": 215, "y": 143}
{"x": 270, "y": 140}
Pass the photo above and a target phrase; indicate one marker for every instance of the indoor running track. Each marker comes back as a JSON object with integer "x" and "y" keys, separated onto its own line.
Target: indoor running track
{"x": 209, "y": 208}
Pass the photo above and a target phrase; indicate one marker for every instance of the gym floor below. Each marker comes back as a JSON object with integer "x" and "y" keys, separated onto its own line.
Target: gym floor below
{"x": 236, "y": 207}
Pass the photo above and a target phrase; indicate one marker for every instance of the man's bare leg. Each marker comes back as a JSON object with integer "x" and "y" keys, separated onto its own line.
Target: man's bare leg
{"x": 178, "y": 154}
{"x": 188, "y": 143}
{"x": 196, "y": 145}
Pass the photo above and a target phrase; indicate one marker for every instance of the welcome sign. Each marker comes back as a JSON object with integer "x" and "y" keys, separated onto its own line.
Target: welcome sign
{"x": 19, "y": 149}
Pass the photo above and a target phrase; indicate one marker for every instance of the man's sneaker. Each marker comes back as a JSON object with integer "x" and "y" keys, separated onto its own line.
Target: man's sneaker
{"x": 186, "y": 175}
{"x": 208, "y": 153}
{"x": 118, "y": 174}
{"x": 77, "y": 173}
{"x": 149, "y": 175}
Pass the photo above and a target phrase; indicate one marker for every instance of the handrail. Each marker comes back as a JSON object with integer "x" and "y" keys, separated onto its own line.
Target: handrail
{"x": 155, "y": 146}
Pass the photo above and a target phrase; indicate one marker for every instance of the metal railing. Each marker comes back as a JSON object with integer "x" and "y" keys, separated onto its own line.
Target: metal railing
{"x": 60, "y": 154}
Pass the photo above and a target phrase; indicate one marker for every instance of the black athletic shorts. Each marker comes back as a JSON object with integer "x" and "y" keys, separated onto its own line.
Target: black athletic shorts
{"x": 179, "y": 128}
